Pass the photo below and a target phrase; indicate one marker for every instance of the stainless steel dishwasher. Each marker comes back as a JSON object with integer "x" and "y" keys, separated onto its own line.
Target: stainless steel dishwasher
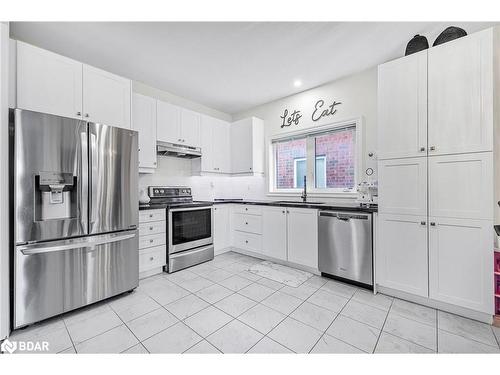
{"x": 345, "y": 245}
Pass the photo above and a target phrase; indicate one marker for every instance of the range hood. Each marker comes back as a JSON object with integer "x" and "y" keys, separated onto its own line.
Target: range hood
{"x": 176, "y": 150}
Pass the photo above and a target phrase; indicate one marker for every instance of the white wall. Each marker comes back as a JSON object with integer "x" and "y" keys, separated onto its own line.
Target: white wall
{"x": 4, "y": 178}
{"x": 358, "y": 94}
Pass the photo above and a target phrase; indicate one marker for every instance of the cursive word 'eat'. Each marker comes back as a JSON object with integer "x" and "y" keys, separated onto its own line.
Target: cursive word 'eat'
{"x": 320, "y": 112}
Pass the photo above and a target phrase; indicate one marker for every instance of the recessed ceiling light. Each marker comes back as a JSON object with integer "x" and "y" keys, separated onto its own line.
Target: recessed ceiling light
{"x": 297, "y": 83}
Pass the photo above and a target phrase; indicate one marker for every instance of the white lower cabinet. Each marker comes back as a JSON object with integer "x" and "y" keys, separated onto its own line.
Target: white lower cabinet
{"x": 403, "y": 186}
{"x": 402, "y": 253}
{"x": 288, "y": 234}
{"x": 461, "y": 186}
{"x": 303, "y": 236}
{"x": 460, "y": 262}
{"x": 152, "y": 242}
{"x": 274, "y": 229}
{"x": 222, "y": 229}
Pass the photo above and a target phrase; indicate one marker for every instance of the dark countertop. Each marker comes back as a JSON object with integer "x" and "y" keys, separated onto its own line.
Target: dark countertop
{"x": 165, "y": 206}
{"x": 326, "y": 206}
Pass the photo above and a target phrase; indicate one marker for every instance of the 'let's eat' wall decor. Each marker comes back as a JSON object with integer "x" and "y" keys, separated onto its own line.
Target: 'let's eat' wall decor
{"x": 319, "y": 111}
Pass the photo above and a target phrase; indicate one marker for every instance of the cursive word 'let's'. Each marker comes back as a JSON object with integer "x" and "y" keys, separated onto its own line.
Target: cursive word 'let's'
{"x": 292, "y": 119}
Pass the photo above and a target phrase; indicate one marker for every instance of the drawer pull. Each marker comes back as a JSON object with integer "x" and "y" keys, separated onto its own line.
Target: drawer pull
{"x": 246, "y": 209}
{"x": 151, "y": 241}
{"x": 151, "y": 258}
{"x": 150, "y": 215}
{"x": 246, "y": 241}
{"x": 246, "y": 222}
{"x": 151, "y": 228}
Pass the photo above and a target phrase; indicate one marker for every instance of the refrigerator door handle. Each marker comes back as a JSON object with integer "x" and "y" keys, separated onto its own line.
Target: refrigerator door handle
{"x": 74, "y": 244}
{"x": 84, "y": 178}
{"x": 93, "y": 178}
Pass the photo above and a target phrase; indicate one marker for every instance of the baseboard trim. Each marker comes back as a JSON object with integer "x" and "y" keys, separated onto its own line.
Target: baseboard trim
{"x": 467, "y": 313}
{"x": 275, "y": 260}
{"x": 151, "y": 272}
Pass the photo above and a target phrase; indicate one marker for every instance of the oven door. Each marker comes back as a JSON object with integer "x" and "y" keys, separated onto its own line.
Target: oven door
{"x": 189, "y": 228}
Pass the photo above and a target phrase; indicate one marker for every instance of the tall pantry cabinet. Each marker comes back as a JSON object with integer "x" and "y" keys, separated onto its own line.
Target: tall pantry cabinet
{"x": 436, "y": 122}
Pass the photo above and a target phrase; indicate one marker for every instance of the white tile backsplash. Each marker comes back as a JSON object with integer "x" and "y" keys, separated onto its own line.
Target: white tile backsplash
{"x": 173, "y": 171}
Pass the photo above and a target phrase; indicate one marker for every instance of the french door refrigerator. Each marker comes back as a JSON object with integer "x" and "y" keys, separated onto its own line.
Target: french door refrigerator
{"x": 74, "y": 188}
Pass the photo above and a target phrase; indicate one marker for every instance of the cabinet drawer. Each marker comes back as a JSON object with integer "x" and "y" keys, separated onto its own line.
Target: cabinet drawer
{"x": 247, "y": 209}
{"x": 152, "y": 258}
{"x": 146, "y": 216}
{"x": 152, "y": 228}
{"x": 247, "y": 223}
{"x": 152, "y": 240}
{"x": 248, "y": 241}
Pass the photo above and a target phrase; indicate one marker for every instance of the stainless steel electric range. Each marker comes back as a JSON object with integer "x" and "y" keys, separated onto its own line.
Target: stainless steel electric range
{"x": 189, "y": 226}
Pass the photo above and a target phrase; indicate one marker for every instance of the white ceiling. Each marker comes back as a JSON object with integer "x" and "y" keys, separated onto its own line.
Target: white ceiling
{"x": 232, "y": 66}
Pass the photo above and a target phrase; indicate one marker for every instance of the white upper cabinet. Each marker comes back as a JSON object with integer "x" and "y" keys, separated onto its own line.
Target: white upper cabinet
{"x": 247, "y": 146}
{"x": 168, "y": 122}
{"x": 106, "y": 97}
{"x": 460, "y": 262}
{"x": 178, "y": 125}
{"x": 48, "y": 82}
{"x": 144, "y": 121}
{"x": 402, "y": 107}
{"x": 221, "y": 147}
{"x": 303, "y": 236}
{"x": 402, "y": 253}
{"x": 190, "y": 128}
{"x": 461, "y": 95}
{"x": 461, "y": 186}
{"x": 215, "y": 145}
{"x": 274, "y": 232}
{"x": 403, "y": 186}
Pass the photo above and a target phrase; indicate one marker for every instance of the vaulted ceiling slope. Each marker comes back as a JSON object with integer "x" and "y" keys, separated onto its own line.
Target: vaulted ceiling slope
{"x": 230, "y": 66}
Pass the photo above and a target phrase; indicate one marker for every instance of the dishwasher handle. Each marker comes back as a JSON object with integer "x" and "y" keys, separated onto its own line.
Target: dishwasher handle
{"x": 344, "y": 216}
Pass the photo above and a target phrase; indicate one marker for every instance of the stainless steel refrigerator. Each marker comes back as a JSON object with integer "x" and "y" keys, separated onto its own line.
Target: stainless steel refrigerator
{"x": 74, "y": 191}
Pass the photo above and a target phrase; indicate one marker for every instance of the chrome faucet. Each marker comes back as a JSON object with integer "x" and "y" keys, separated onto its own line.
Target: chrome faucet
{"x": 304, "y": 193}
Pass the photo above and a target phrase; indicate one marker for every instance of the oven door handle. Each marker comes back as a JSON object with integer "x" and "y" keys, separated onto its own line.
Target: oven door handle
{"x": 191, "y": 209}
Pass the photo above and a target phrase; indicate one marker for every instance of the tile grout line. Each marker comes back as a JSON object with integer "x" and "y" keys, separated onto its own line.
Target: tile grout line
{"x": 125, "y": 324}
{"x": 327, "y": 328}
{"x": 383, "y": 325}
{"x": 70, "y": 338}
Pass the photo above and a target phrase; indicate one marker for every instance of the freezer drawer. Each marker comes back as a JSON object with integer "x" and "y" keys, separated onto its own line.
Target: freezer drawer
{"x": 55, "y": 277}
{"x": 345, "y": 245}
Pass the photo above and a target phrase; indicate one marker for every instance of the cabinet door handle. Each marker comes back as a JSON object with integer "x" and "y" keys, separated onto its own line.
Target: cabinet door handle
{"x": 86, "y": 115}
{"x": 422, "y": 149}
{"x": 78, "y": 113}
{"x": 151, "y": 241}
{"x": 422, "y": 223}
{"x": 246, "y": 241}
{"x": 433, "y": 224}
{"x": 151, "y": 258}
{"x": 283, "y": 211}
{"x": 150, "y": 215}
{"x": 246, "y": 209}
{"x": 432, "y": 148}
{"x": 246, "y": 223}
{"x": 150, "y": 228}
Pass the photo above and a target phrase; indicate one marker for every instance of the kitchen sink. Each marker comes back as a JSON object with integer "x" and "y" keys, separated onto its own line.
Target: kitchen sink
{"x": 298, "y": 203}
